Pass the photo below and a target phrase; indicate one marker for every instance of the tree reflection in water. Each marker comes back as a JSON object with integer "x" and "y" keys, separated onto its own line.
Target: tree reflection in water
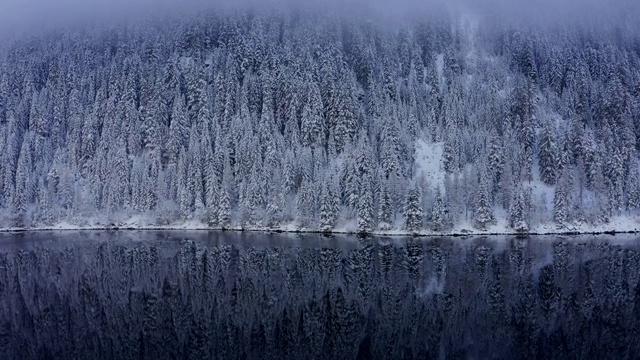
{"x": 260, "y": 296}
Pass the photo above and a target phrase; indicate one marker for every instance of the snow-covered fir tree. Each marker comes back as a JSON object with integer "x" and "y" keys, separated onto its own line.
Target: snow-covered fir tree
{"x": 483, "y": 211}
{"x": 561, "y": 201}
{"x": 224, "y": 209}
{"x": 413, "y": 211}
{"x": 633, "y": 188}
{"x": 548, "y": 154}
{"x": 517, "y": 210}
{"x": 329, "y": 207}
{"x": 385, "y": 210}
{"x": 438, "y": 217}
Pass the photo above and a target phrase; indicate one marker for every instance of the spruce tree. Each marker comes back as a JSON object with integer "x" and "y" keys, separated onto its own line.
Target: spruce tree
{"x": 615, "y": 179}
{"x": 365, "y": 211}
{"x": 496, "y": 159}
{"x": 223, "y": 209}
{"x": 561, "y": 202}
{"x": 312, "y": 126}
{"x": 438, "y": 218}
{"x": 385, "y": 210}
{"x": 364, "y": 185}
{"x": 633, "y": 188}
{"x": 483, "y": 214}
{"x": 329, "y": 208}
{"x": 306, "y": 205}
{"x": 517, "y": 211}
{"x": 548, "y": 155}
{"x": 413, "y": 211}
{"x": 389, "y": 149}
{"x": 448, "y": 157}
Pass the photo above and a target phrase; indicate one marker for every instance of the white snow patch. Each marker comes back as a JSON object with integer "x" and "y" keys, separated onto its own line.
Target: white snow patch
{"x": 290, "y": 227}
{"x": 616, "y": 224}
{"x": 428, "y": 163}
{"x": 539, "y": 191}
{"x": 64, "y": 225}
{"x": 440, "y": 69}
{"x": 346, "y": 226}
{"x": 191, "y": 224}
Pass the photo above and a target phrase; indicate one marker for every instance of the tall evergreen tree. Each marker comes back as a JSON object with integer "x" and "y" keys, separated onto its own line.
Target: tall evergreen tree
{"x": 633, "y": 188}
{"x": 496, "y": 160}
{"x": 413, "y": 211}
{"x": 483, "y": 213}
{"x": 329, "y": 207}
{"x": 561, "y": 201}
{"x": 312, "y": 123}
{"x": 438, "y": 219}
{"x": 548, "y": 154}
{"x": 517, "y": 210}
{"x": 306, "y": 205}
{"x": 385, "y": 209}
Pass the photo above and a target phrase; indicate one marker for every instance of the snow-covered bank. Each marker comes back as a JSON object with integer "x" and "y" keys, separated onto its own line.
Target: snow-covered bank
{"x": 617, "y": 225}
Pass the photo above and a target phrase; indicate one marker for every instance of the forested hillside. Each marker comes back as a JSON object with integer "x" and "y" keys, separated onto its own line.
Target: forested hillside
{"x": 298, "y": 121}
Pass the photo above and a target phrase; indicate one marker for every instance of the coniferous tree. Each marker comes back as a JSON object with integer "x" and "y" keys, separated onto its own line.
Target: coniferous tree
{"x": 517, "y": 219}
{"x": 210, "y": 179}
{"x": 385, "y": 210}
{"x": 365, "y": 211}
{"x": 483, "y": 213}
{"x": 306, "y": 205}
{"x": 496, "y": 160}
{"x": 413, "y": 211}
{"x": 364, "y": 201}
{"x": 548, "y": 155}
{"x": 329, "y": 208}
{"x": 185, "y": 197}
{"x": 561, "y": 202}
{"x": 615, "y": 181}
{"x": 224, "y": 209}
{"x": 178, "y": 131}
{"x": 389, "y": 150}
{"x": 24, "y": 188}
{"x": 350, "y": 187}
{"x": 448, "y": 157}
{"x": 633, "y": 188}
{"x": 343, "y": 110}
{"x": 438, "y": 218}
{"x": 311, "y": 127}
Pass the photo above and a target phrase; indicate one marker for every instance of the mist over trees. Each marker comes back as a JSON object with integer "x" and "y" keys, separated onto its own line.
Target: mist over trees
{"x": 254, "y": 119}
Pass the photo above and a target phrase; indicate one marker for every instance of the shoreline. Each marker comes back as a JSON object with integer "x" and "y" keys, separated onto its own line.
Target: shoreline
{"x": 318, "y": 232}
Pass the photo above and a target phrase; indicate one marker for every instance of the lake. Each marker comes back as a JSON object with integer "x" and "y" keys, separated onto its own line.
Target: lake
{"x": 215, "y": 295}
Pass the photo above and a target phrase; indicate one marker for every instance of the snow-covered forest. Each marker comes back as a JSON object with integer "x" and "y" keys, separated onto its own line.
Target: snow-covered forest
{"x": 322, "y": 122}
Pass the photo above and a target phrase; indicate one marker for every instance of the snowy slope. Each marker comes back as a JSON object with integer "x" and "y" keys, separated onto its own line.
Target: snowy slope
{"x": 428, "y": 163}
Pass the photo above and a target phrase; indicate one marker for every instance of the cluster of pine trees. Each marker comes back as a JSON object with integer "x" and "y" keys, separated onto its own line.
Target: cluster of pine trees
{"x": 257, "y": 120}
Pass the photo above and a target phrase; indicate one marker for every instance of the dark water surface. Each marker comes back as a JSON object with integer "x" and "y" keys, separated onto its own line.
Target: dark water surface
{"x": 199, "y": 295}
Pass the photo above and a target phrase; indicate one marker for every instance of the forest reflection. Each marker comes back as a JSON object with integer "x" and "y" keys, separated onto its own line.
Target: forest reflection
{"x": 230, "y": 296}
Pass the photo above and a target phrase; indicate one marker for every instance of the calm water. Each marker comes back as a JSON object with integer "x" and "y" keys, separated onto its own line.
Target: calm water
{"x": 180, "y": 295}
